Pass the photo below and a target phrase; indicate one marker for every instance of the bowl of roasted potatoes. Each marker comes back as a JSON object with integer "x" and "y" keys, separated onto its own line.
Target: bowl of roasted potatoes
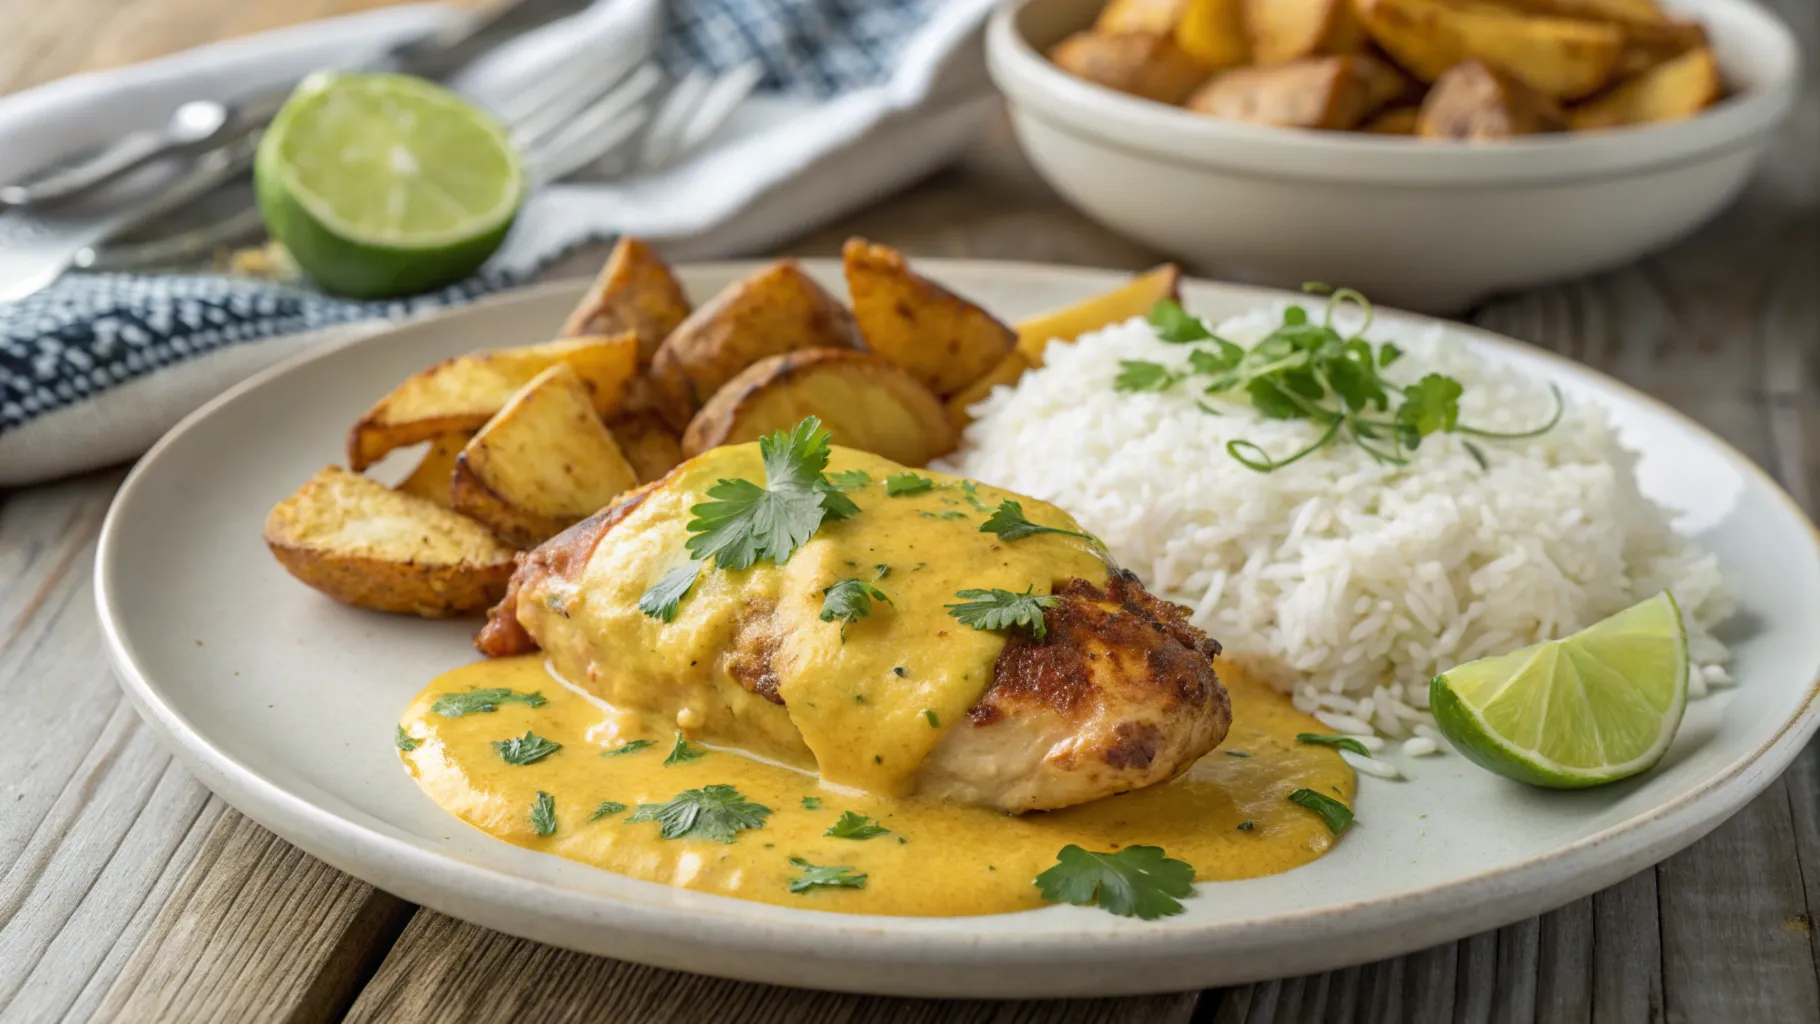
{"x": 1428, "y": 152}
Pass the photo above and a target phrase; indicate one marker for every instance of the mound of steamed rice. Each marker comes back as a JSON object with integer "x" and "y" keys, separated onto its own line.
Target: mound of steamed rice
{"x": 1357, "y": 581}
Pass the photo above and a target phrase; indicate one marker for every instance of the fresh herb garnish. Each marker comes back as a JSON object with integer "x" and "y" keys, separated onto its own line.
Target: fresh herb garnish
{"x": 948, "y": 513}
{"x": 405, "y": 741}
{"x": 849, "y": 601}
{"x": 543, "y": 814}
{"x": 1002, "y": 609}
{"x": 454, "y": 705}
{"x": 849, "y": 479}
{"x": 717, "y": 813}
{"x": 971, "y": 492}
{"x": 604, "y": 808}
{"x": 1333, "y": 739}
{"x": 1304, "y": 371}
{"x": 1336, "y": 814}
{"x": 527, "y": 749}
{"x": 1009, "y": 522}
{"x": 855, "y": 826}
{"x": 745, "y": 522}
{"x": 631, "y": 747}
{"x": 661, "y": 600}
{"x": 813, "y": 803}
{"x": 899, "y": 671}
{"x": 1138, "y": 881}
{"x": 935, "y": 721}
{"x": 683, "y": 753}
{"x": 907, "y": 483}
{"x": 831, "y": 877}
{"x": 1235, "y": 753}
{"x": 1246, "y": 826}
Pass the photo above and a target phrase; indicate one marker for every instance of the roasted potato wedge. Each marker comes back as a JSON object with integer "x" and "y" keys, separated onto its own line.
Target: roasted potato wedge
{"x": 1477, "y": 101}
{"x": 864, "y": 400}
{"x": 648, "y": 444}
{"x": 943, "y": 340}
{"x": 461, "y": 394}
{"x": 1133, "y": 298}
{"x": 367, "y": 545}
{"x": 1288, "y": 30}
{"x": 1210, "y": 31}
{"x": 544, "y": 463}
{"x": 1146, "y": 64}
{"x": 779, "y": 309}
{"x": 1678, "y": 89}
{"x": 1158, "y": 17}
{"x": 1641, "y": 20}
{"x": 1006, "y": 373}
{"x": 1394, "y": 121}
{"x": 1335, "y": 93}
{"x": 430, "y": 480}
{"x": 1562, "y": 58}
{"x": 635, "y": 292}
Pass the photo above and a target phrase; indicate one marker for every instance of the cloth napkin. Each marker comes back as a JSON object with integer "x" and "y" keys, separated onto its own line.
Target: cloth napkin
{"x": 859, "y": 98}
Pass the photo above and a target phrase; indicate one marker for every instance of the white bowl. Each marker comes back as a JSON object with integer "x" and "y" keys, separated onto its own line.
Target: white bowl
{"x": 1424, "y": 225}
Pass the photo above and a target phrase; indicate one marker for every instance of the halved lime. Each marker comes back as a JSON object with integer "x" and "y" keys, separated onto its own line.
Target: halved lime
{"x": 1596, "y": 707}
{"x": 383, "y": 185}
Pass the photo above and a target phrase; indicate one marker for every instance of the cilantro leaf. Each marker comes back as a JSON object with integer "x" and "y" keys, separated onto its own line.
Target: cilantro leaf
{"x": 1388, "y": 353}
{"x": 835, "y": 504}
{"x": 405, "y": 741}
{"x": 543, "y": 814}
{"x": 949, "y": 514}
{"x": 898, "y": 484}
{"x": 661, "y": 600}
{"x": 631, "y": 747}
{"x": 1337, "y": 815}
{"x": 1140, "y": 375}
{"x": 1175, "y": 324}
{"x": 1430, "y": 405}
{"x": 831, "y": 877}
{"x": 454, "y": 705}
{"x": 745, "y": 522}
{"x": 683, "y": 753}
{"x": 1295, "y": 316}
{"x": 716, "y": 813}
{"x": 934, "y": 720}
{"x": 1002, "y": 609}
{"x": 1332, "y": 739}
{"x": 1138, "y": 881}
{"x": 971, "y": 491}
{"x": 849, "y": 601}
{"x": 527, "y": 749}
{"x": 813, "y": 803}
{"x": 1209, "y": 362}
{"x": 606, "y": 807}
{"x": 855, "y": 826}
{"x": 849, "y": 479}
{"x": 1010, "y": 523}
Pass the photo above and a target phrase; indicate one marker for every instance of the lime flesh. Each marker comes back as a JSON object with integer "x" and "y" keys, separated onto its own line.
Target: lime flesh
{"x": 1598, "y": 706}
{"x": 382, "y": 185}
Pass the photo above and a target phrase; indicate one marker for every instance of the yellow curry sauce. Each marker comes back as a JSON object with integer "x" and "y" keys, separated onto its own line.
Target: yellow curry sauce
{"x": 861, "y": 710}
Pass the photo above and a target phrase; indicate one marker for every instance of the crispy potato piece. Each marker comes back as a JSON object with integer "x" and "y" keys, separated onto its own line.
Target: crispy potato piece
{"x": 1158, "y": 17}
{"x": 1287, "y": 30}
{"x": 1210, "y": 31}
{"x": 635, "y": 292}
{"x": 1678, "y": 89}
{"x": 1476, "y": 101}
{"x": 1146, "y": 64}
{"x": 1006, "y": 373}
{"x": 648, "y": 444}
{"x": 364, "y": 544}
{"x": 430, "y": 480}
{"x": 541, "y": 465}
{"x": 1321, "y": 92}
{"x": 1133, "y": 298}
{"x": 864, "y": 400}
{"x": 940, "y": 338}
{"x": 778, "y": 309}
{"x": 1561, "y": 58}
{"x": 461, "y": 394}
{"x": 1394, "y": 121}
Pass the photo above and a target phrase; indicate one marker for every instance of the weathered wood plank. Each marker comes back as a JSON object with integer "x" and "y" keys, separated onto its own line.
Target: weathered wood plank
{"x": 1626, "y": 961}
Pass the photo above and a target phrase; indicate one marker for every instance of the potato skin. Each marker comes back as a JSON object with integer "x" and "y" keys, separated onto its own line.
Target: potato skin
{"x": 636, "y": 292}
{"x": 941, "y": 339}
{"x": 1475, "y": 101}
{"x": 1562, "y": 58}
{"x": 851, "y": 392}
{"x": 1673, "y": 90}
{"x": 402, "y": 588}
{"x": 1133, "y": 298}
{"x": 1287, "y": 30}
{"x": 1334, "y": 93}
{"x": 1145, "y": 64}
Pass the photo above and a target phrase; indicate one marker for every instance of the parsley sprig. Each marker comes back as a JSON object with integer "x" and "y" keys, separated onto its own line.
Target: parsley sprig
{"x": 1002, "y": 609}
{"x": 814, "y": 876}
{"x": 1313, "y": 372}
{"x": 1010, "y": 523}
{"x": 849, "y": 601}
{"x": 853, "y": 825}
{"x": 717, "y": 813}
{"x": 455, "y": 705}
{"x": 543, "y": 814}
{"x": 1138, "y": 881}
{"x": 682, "y": 752}
{"x": 527, "y": 749}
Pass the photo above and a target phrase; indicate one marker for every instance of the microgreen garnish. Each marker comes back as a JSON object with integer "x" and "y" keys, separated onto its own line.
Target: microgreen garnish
{"x": 660, "y": 601}
{"x": 717, "y": 813}
{"x": 405, "y": 741}
{"x": 631, "y": 747}
{"x": 907, "y": 483}
{"x": 830, "y": 877}
{"x": 527, "y": 749}
{"x": 745, "y": 522}
{"x": 683, "y": 753}
{"x": 849, "y": 479}
{"x": 813, "y": 803}
{"x": 1333, "y": 739}
{"x": 1336, "y": 814}
{"x": 1002, "y": 609}
{"x": 1009, "y": 522}
{"x": 1313, "y": 372}
{"x": 855, "y": 826}
{"x": 543, "y": 814}
{"x": 1138, "y": 881}
{"x": 606, "y": 807}
{"x": 454, "y": 705}
{"x": 849, "y": 601}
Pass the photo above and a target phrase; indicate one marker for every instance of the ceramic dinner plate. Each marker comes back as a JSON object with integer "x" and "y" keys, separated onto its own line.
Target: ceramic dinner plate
{"x": 284, "y": 702}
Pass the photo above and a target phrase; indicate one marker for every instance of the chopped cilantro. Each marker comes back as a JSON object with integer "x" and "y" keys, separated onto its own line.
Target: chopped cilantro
{"x": 631, "y": 747}
{"x": 405, "y": 741}
{"x": 1235, "y": 753}
{"x": 543, "y": 814}
{"x": 971, "y": 492}
{"x": 1002, "y": 609}
{"x": 1336, "y": 814}
{"x": 682, "y": 753}
{"x": 527, "y": 749}
{"x": 935, "y": 721}
{"x": 849, "y": 601}
{"x": 849, "y": 479}
{"x": 855, "y": 826}
{"x": 1246, "y": 826}
{"x": 1010, "y": 523}
{"x": 1138, "y": 881}
{"x": 745, "y": 523}
{"x": 899, "y": 484}
{"x": 716, "y": 813}
{"x": 1331, "y": 739}
{"x": 830, "y": 877}
{"x": 661, "y": 600}
{"x": 1140, "y": 375}
{"x": 813, "y": 803}
{"x": 604, "y": 808}
{"x": 454, "y": 705}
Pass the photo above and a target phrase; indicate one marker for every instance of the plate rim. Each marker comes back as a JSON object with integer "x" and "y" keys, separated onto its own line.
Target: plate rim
{"x": 1397, "y": 923}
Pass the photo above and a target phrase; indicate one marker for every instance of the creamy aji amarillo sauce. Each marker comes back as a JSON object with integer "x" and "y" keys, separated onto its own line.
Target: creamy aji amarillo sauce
{"x": 940, "y": 860}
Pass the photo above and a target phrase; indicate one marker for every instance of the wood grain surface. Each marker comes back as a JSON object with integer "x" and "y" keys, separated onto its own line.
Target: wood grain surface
{"x": 128, "y": 893}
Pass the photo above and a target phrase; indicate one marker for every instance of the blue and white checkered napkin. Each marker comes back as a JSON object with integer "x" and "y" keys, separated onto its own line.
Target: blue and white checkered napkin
{"x": 859, "y": 98}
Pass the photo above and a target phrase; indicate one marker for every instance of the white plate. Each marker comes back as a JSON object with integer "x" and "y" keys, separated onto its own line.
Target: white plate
{"x": 283, "y": 702}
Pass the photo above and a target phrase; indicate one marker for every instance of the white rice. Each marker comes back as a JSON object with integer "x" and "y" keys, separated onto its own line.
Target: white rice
{"x": 1358, "y": 581}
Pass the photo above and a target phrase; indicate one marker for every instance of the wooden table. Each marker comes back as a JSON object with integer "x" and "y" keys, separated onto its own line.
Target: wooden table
{"x": 128, "y": 892}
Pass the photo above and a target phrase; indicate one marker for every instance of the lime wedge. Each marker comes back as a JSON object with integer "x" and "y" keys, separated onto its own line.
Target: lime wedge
{"x": 1599, "y": 706}
{"x": 383, "y": 185}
